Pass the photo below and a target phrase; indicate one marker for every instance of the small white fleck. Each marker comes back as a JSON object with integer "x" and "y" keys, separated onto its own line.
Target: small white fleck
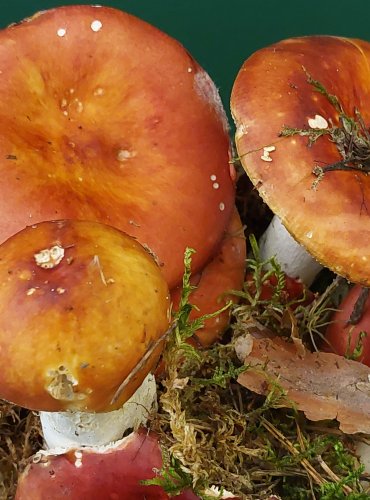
{"x": 78, "y": 463}
{"x": 71, "y": 91}
{"x": 78, "y": 454}
{"x": 125, "y": 154}
{"x": 222, "y": 206}
{"x": 190, "y": 70}
{"x": 266, "y": 158}
{"x": 79, "y": 106}
{"x": 31, "y": 291}
{"x": 216, "y": 185}
{"x": 364, "y": 258}
{"x": 318, "y": 122}
{"x": 80, "y": 179}
{"x": 61, "y": 32}
{"x": 309, "y": 234}
{"x": 98, "y": 91}
{"x": 60, "y": 290}
{"x": 65, "y": 113}
{"x": 96, "y": 25}
{"x": 133, "y": 223}
{"x": 269, "y": 149}
{"x": 213, "y": 177}
{"x": 63, "y": 103}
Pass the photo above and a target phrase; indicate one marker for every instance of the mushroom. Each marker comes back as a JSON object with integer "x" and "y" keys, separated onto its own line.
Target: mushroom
{"x": 84, "y": 312}
{"x": 293, "y": 103}
{"x": 105, "y": 118}
{"x": 352, "y": 318}
{"x": 224, "y": 273}
{"x": 113, "y": 471}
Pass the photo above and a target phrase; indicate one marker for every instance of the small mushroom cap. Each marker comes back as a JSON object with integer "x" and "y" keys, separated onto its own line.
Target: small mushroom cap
{"x": 104, "y": 117}
{"x": 115, "y": 472}
{"x": 81, "y": 305}
{"x": 271, "y": 91}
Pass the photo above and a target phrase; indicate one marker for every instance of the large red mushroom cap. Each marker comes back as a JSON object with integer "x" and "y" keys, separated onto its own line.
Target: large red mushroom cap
{"x": 82, "y": 304}
{"x": 116, "y": 472}
{"x": 328, "y": 216}
{"x": 104, "y": 117}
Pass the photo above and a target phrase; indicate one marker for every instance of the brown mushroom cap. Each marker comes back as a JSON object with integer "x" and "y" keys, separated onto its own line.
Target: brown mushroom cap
{"x": 115, "y": 473}
{"x": 81, "y": 305}
{"x": 271, "y": 91}
{"x": 104, "y": 117}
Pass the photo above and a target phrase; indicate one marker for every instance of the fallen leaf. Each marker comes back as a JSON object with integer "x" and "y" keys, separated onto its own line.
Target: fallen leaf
{"x": 322, "y": 385}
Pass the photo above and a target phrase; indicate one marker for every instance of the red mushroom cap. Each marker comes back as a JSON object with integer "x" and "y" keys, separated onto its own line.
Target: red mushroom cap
{"x": 115, "y": 473}
{"x": 341, "y": 336}
{"x": 104, "y": 117}
{"x": 82, "y": 303}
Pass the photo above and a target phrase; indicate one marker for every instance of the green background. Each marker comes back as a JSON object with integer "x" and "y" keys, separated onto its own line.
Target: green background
{"x": 222, "y": 33}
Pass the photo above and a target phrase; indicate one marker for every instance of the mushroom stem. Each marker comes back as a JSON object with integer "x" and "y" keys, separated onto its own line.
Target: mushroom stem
{"x": 295, "y": 261}
{"x": 71, "y": 429}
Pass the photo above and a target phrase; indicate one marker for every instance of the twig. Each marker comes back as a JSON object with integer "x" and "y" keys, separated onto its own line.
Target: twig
{"x": 152, "y": 347}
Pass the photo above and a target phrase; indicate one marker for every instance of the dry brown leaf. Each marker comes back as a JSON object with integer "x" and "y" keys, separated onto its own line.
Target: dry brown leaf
{"x": 322, "y": 385}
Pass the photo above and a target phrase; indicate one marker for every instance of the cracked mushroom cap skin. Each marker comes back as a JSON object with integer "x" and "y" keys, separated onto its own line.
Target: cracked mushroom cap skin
{"x": 330, "y": 218}
{"x": 81, "y": 303}
{"x": 115, "y": 472}
{"x": 104, "y": 117}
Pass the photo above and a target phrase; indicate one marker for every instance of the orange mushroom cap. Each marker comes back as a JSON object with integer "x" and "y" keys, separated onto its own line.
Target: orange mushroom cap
{"x": 104, "y": 117}
{"x": 82, "y": 303}
{"x": 329, "y": 218}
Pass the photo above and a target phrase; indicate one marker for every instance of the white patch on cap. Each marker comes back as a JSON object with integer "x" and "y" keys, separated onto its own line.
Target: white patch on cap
{"x": 241, "y": 130}
{"x": 61, "y": 32}
{"x": 318, "y": 122}
{"x": 216, "y": 185}
{"x": 49, "y": 257}
{"x": 96, "y": 25}
{"x": 206, "y": 89}
{"x": 213, "y": 177}
{"x": 266, "y": 157}
{"x": 221, "y": 206}
{"x": 125, "y": 154}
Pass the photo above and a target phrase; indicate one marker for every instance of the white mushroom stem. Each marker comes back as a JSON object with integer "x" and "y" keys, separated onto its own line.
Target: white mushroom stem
{"x": 74, "y": 429}
{"x": 295, "y": 261}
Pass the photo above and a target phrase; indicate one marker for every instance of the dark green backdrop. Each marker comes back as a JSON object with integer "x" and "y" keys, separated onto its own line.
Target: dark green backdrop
{"x": 222, "y": 33}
